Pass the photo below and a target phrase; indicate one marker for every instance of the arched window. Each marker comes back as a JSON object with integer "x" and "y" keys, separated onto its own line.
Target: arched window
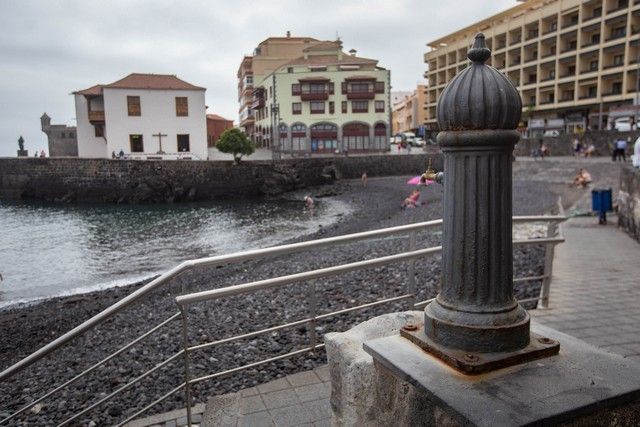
{"x": 299, "y": 137}
{"x": 324, "y": 138}
{"x": 355, "y": 136}
{"x": 380, "y": 136}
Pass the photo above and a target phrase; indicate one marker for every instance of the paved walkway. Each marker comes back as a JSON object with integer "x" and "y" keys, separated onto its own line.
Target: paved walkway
{"x": 595, "y": 287}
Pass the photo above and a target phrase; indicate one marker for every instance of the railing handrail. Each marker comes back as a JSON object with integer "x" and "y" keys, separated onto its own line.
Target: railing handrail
{"x": 226, "y": 259}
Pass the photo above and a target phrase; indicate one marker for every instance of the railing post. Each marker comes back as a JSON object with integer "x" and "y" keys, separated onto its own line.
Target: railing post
{"x": 187, "y": 375}
{"x": 312, "y": 314}
{"x": 412, "y": 271}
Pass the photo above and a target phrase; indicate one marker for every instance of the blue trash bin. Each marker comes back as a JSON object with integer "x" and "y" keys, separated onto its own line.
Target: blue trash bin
{"x": 601, "y": 202}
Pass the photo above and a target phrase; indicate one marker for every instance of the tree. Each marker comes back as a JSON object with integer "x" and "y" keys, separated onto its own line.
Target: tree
{"x": 235, "y": 142}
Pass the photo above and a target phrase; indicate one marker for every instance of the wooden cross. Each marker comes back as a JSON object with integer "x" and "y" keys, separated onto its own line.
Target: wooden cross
{"x": 160, "y": 135}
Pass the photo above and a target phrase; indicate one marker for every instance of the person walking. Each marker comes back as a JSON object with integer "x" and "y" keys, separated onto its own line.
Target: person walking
{"x": 621, "y": 146}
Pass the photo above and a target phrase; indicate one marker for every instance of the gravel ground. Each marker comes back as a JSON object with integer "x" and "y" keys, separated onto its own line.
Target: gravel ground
{"x": 25, "y": 329}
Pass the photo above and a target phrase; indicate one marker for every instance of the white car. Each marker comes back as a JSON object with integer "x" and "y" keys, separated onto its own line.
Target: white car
{"x": 419, "y": 142}
{"x": 623, "y": 124}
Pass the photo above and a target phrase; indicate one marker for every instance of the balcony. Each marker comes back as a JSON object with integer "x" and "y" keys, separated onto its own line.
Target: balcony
{"x": 588, "y": 96}
{"x": 96, "y": 116}
{"x": 314, "y": 96}
{"x": 361, "y": 95}
{"x": 257, "y": 104}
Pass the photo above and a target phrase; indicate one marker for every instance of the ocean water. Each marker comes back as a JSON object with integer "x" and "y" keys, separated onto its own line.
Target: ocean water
{"x": 51, "y": 250}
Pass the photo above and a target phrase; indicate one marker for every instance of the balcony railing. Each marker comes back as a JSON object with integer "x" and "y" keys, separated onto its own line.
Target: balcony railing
{"x": 96, "y": 116}
{"x": 256, "y": 104}
{"x": 314, "y": 96}
{"x": 370, "y": 94}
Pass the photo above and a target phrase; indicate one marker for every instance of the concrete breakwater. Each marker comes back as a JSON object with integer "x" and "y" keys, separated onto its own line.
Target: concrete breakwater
{"x": 123, "y": 181}
{"x": 563, "y": 145}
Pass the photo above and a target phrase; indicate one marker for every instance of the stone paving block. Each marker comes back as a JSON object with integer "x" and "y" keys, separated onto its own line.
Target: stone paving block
{"x": 256, "y": 419}
{"x": 318, "y": 409}
{"x": 313, "y": 392}
{"x": 280, "y": 398}
{"x": 251, "y": 404}
{"x": 288, "y": 416}
{"x": 303, "y": 378}
{"x": 323, "y": 373}
{"x": 252, "y": 391}
{"x": 323, "y": 423}
{"x": 275, "y": 385}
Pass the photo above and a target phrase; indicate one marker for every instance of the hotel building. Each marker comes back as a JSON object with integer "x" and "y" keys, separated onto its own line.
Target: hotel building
{"x": 324, "y": 101}
{"x": 575, "y": 63}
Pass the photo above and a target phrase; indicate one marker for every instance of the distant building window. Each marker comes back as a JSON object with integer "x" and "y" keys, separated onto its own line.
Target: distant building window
{"x": 317, "y": 107}
{"x": 296, "y": 108}
{"x": 98, "y": 130}
{"x": 344, "y": 107}
{"x": 295, "y": 89}
{"x": 379, "y": 87}
{"x": 593, "y": 65}
{"x": 331, "y": 107}
{"x": 72, "y": 135}
{"x": 618, "y": 60}
{"x": 359, "y": 87}
{"x": 135, "y": 141}
{"x": 379, "y": 106}
{"x": 183, "y": 143}
{"x": 289, "y": 69}
{"x": 182, "y": 106}
{"x": 63, "y": 135}
{"x": 133, "y": 106}
{"x": 359, "y": 106}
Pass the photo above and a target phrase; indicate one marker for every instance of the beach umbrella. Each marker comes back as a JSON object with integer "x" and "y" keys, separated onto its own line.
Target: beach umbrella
{"x": 417, "y": 180}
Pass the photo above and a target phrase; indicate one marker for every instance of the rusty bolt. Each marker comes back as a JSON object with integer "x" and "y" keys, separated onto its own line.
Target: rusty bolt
{"x": 471, "y": 357}
{"x": 544, "y": 340}
{"x": 410, "y": 327}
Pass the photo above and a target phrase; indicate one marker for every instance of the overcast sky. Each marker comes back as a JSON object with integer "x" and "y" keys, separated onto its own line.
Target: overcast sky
{"x": 50, "y": 48}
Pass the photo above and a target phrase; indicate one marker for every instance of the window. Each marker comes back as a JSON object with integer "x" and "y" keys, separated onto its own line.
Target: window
{"x": 296, "y": 108}
{"x": 379, "y": 87}
{"x": 270, "y": 91}
{"x": 359, "y": 106}
{"x": 595, "y": 38}
{"x": 182, "y": 106}
{"x": 331, "y": 107}
{"x": 618, "y": 32}
{"x": 616, "y": 88}
{"x": 554, "y": 26}
{"x": 183, "y": 143}
{"x": 593, "y": 65}
{"x": 573, "y": 44}
{"x": 359, "y": 87}
{"x": 593, "y": 91}
{"x": 571, "y": 70}
{"x": 379, "y": 106}
{"x": 597, "y": 12}
{"x": 135, "y": 141}
{"x": 344, "y": 106}
{"x": 618, "y": 60}
{"x": 316, "y": 88}
{"x": 317, "y": 107}
{"x": 63, "y": 135}
{"x": 133, "y": 106}
{"x": 289, "y": 69}
{"x": 98, "y": 130}
{"x": 295, "y": 89}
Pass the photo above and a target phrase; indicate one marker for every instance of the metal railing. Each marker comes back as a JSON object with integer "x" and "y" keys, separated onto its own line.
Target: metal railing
{"x": 412, "y": 255}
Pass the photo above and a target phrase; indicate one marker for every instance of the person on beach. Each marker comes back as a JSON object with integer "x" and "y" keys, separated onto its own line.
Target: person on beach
{"x": 576, "y": 147}
{"x": 620, "y": 148}
{"x": 582, "y": 178}
{"x": 308, "y": 203}
{"x": 412, "y": 200}
{"x": 364, "y": 179}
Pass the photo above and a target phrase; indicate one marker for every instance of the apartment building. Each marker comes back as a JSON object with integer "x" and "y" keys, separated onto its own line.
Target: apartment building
{"x": 145, "y": 116}
{"x": 575, "y": 63}
{"x": 266, "y": 58}
{"x": 408, "y": 112}
{"x": 325, "y": 101}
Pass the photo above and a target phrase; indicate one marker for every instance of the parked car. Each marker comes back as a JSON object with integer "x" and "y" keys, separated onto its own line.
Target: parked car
{"x": 551, "y": 133}
{"x": 419, "y": 142}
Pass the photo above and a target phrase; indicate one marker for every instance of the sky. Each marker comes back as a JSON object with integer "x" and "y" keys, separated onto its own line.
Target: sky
{"x": 50, "y": 48}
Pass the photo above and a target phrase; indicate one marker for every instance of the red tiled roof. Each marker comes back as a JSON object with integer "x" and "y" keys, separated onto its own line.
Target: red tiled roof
{"x": 217, "y": 117}
{"x": 143, "y": 81}
{"x": 152, "y": 81}
{"x": 93, "y": 90}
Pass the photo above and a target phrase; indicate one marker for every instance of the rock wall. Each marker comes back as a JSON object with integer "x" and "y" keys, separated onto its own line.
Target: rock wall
{"x": 131, "y": 181}
{"x": 562, "y": 145}
{"x": 629, "y": 201}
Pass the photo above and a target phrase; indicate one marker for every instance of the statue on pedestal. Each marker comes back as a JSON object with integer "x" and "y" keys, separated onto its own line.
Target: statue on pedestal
{"x": 21, "y": 151}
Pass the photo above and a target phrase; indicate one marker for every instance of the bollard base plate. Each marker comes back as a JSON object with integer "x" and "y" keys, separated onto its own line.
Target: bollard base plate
{"x": 473, "y": 363}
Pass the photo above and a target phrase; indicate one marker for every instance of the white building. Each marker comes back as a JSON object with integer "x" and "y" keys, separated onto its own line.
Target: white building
{"x": 146, "y": 116}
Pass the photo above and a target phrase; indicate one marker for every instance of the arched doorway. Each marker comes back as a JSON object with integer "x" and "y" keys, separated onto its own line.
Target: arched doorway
{"x": 324, "y": 138}
{"x": 355, "y": 137}
{"x": 299, "y": 137}
{"x": 380, "y": 140}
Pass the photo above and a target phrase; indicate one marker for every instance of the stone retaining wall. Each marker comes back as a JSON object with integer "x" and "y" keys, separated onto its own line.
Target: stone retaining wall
{"x": 629, "y": 201}
{"x": 562, "y": 145}
{"x": 132, "y": 181}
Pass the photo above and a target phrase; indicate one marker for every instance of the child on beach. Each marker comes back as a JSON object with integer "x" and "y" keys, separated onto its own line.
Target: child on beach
{"x": 412, "y": 200}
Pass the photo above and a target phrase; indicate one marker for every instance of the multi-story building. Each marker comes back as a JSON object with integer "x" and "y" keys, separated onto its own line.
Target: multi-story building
{"x": 409, "y": 112}
{"x": 267, "y": 57}
{"x": 145, "y": 116}
{"x": 325, "y": 101}
{"x": 215, "y": 126}
{"x": 61, "y": 138}
{"x": 575, "y": 63}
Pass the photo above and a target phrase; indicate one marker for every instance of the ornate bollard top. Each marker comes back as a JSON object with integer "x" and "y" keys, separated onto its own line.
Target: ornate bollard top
{"x": 479, "y": 97}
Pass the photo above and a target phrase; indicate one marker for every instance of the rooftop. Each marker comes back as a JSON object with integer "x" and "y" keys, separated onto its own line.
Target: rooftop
{"x": 143, "y": 81}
